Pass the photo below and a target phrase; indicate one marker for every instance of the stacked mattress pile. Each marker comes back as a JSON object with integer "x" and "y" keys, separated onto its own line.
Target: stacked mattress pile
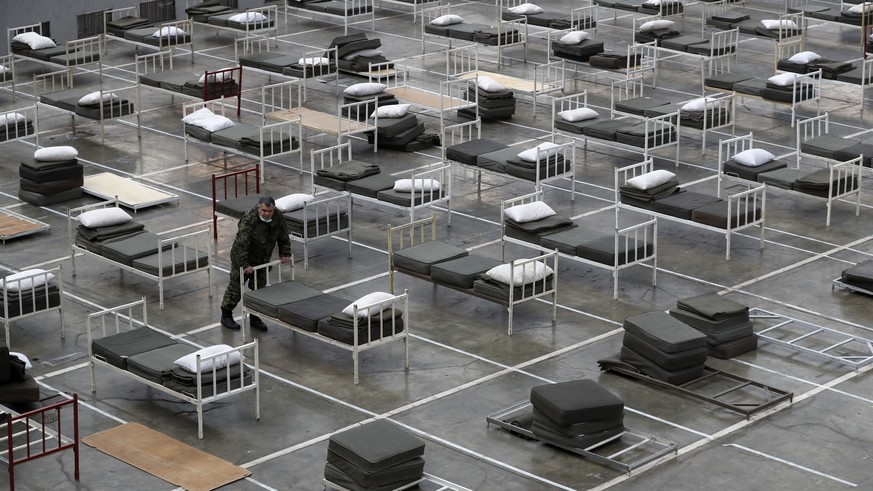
{"x": 664, "y": 348}
{"x": 379, "y": 455}
{"x": 577, "y": 46}
{"x": 576, "y": 414}
{"x": 399, "y": 129}
{"x": 725, "y": 323}
{"x": 355, "y": 52}
{"x": 859, "y": 276}
{"x": 372, "y": 92}
{"x": 53, "y": 176}
{"x": 495, "y": 101}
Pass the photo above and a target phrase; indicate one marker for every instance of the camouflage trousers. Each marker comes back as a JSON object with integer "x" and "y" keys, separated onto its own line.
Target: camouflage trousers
{"x": 233, "y": 294}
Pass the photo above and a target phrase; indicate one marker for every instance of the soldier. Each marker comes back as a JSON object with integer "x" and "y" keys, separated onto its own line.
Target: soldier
{"x": 258, "y": 234}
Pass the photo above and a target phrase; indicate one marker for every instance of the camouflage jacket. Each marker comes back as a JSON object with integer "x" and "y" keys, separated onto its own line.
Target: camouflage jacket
{"x": 255, "y": 240}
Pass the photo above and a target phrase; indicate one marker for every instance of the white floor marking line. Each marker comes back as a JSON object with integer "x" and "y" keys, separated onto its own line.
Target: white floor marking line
{"x": 791, "y": 464}
{"x": 83, "y": 403}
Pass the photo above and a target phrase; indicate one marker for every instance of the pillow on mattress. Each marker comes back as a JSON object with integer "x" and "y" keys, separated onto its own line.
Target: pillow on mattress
{"x": 51, "y": 154}
{"x": 530, "y": 155}
{"x": 4, "y": 69}
{"x": 526, "y": 9}
{"x": 783, "y": 79}
{"x": 315, "y": 61}
{"x": 246, "y": 17}
{"x": 753, "y": 157}
{"x": 861, "y": 8}
{"x": 169, "y": 31}
{"x": 529, "y": 212}
{"x": 217, "y": 77}
{"x": 520, "y": 275}
{"x": 699, "y": 104}
{"x": 651, "y": 180}
{"x": 26, "y": 37}
{"x": 368, "y": 299}
{"x": 654, "y": 25}
{"x": 11, "y": 118}
{"x": 578, "y": 114}
{"x": 408, "y": 185}
{"x": 94, "y": 98}
{"x": 488, "y": 84}
{"x": 369, "y": 53}
{"x": 293, "y": 202}
{"x": 104, "y": 217}
{"x": 22, "y": 357}
{"x": 391, "y": 111}
{"x": 35, "y": 40}
{"x": 202, "y": 113}
{"x": 213, "y": 123}
{"x": 804, "y": 57}
{"x": 447, "y": 20}
{"x": 778, "y": 24}
{"x": 189, "y": 361}
{"x": 365, "y": 88}
{"x": 653, "y": 3}
{"x": 574, "y": 37}
{"x": 14, "y": 283}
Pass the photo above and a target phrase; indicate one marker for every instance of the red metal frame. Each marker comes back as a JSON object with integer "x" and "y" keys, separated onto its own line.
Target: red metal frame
{"x": 37, "y": 448}
{"x": 237, "y": 176}
{"x": 222, "y": 83}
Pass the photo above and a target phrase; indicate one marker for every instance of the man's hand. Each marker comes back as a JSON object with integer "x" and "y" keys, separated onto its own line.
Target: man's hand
{"x": 249, "y": 270}
{"x": 285, "y": 259}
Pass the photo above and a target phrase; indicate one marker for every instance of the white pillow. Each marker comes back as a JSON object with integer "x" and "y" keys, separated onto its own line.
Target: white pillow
{"x": 778, "y": 24}
{"x": 14, "y": 283}
{"x": 369, "y": 52}
{"x": 653, "y": 3}
{"x": 94, "y": 98}
{"x": 699, "y": 104}
{"x": 22, "y": 357}
{"x": 4, "y": 69}
{"x": 217, "y": 77}
{"x": 578, "y": 114}
{"x": 651, "y": 180}
{"x": 519, "y": 275}
{"x": 213, "y": 123}
{"x": 365, "y": 88}
{"x": 368, "y": 299}
{"x": 861, "y": 8}
{"x": 51, "y": 154}
{"x": 246, "y": 17}
{"x": 26, "y": 37}
{"x": 41, "y": 43}
{"x": 447, "y": 20}
{"x": 391, "y": 111}
{"x": 189, "y": 361}
{"x": 202, "y": 113}
{"x": 574, "y": 37}
{"x": 11, "y": 118}
{"x": 488, "y": 84}
{"x": 407, "y": 185}
{"x": 783, "y": 79}
{"x": 654, "y": 25}
{"x": 169, "y": 31}
{"x": 104, "y": 217}
{"x": 753, "y": 157}
{"x": 530, "y": 155}
{"x": 293, "y": 202}
{"x": 529, "y": 212}
{"x": 526, "y": 9}
{"x": 804, "y": 57}
{"x": 315, "y": 61}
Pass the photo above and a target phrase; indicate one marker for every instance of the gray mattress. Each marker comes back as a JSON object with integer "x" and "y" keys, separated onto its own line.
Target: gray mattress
{"x": 648, "y": 367}
{"x": 306, "y": 313}
{"x": 731, "y": 167}
{"x": 500, "y": 291}
{"x": 25, "y": 303}
{"x": 462, "y": 272}
{"x": 713, "y": 306}
{"x": 420, "y": 257}
{"x": 126, "y": 250}
{"x": 782, "y": 178}
{"x": 339, "y": 327}
{"x": 176, "y": 261}
{"x": 715, "y": 215}
{"x": 826, "y": 145}
{"x": 315, "y": 224}
{"x": 668, "y": 361}
{"x": 682, "y": 205}
{"x": 468, "y": 152}
{"x": 144, "y": 35}
{"x": 156, "y": 365}
{"x": 664, "y": 332}
{"x": 496, "y": 161}
{"x": 237, "y": 207}
{"x": 372, "y": 185}
{"x": 406, "y": 199}
{"x": 268, "y": 299}
{"x": 576, "y": 401}
{"x": 376, "y": 446}
{"x": 117, "y": 348}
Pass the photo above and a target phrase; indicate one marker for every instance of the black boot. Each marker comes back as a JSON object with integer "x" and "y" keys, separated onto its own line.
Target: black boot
{"x": 227, "y": 320}
{"x": 257, "y": 323}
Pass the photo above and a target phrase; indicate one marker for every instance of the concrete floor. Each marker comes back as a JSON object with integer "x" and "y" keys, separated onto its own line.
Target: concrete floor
{"x": 463, "y": 366}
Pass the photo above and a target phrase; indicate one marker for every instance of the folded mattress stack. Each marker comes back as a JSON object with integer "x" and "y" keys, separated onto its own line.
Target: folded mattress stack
{"x": 406, "y": 134}
{"x": 363, "y": 112}
{"x": 725, "y": 323}
{"x": 377, "y": 456}
{"x": 494, "y": 105}
{"x": 53, "y": 176}
{"x": 859, "y": 275}
{"x": 576, "y": 414}
{"x": 664, "y": 348}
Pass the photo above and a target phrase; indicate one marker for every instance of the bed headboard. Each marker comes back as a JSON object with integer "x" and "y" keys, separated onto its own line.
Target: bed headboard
{"x": 458, "y": 133}
{"x": 223, "y": 83}
{"x": 281, "y": 96}
{"x": 623, "y": 174}
{"x": 233, "y": 185}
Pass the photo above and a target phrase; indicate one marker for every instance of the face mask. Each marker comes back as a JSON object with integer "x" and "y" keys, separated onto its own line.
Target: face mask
{"x": 264, "y": 219}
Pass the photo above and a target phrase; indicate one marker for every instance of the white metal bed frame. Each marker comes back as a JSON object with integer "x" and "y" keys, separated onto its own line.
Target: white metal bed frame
{"x": 641, "y": 57}
{"x": 47, "y": 278}
{"x": 788, "y": 49}
{"x": 368, "y": 13}
{"x": 257, "y": 44}
{"x": 165, "y": 43}
{"x": 181, "y": 244}
{"x": 123, "y": 317}
{"x": 268, "y": 27}
{"x": 503, "y": 26}
{"x": 91, "y": 48}
{"x": 8, "y": 62}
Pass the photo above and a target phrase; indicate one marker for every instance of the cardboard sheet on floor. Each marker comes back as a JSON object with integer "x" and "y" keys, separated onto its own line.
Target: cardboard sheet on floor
{"x": 166, "y": 458}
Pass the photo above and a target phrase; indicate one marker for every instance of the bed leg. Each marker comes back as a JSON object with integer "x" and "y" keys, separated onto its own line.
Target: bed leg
{"x": 200, "y": 419}
{"x": 355, "y": 360}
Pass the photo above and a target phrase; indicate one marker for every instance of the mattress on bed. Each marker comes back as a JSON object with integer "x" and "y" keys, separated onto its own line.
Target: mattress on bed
{"x": 308, "y": 71}
{"x": 271, "y": 62}
{"x": 606, "y": 129}
{"x": 118, "y": 108}
{"x": 601, "y": 249}
{"x": 637, "y": 136}
{"x": 658, "y": 192}
{"x": 125, "y": 251}
{"x": 657, "y": 36}
{"x": 197, "y": 132}
{"x": 22, "y": 303}
{"x": 826, "y": 145}
{"x": 500, "y": 291}
{"x": 167, "y": 79}
{"x": 371, "y": 186}
{"x": 577, "y": 127}
{"x": 578, "y": 52}
{"x": 75, "y": 58}
{"x": 340, "y": 8}
{"x": 420, "y": 257}
{"x": 144, "y": 35}
{"x": 123, "y": 24}
{"x": 492, "y": 36}
{"x": 668, "y": 361}
{"x": 237, "y": 207}
{"x": 231, "y": 137}
{"x": 436, "y": 30}
{"x": 650, "y": 368}
{"x": 157, "y": 365}
{"x": 682, "y": 205}
{"x": 175, "y": 261}
{"x": 566, "y": 240}
{"x": 705, "y": 49}
{"x": 45, "y": 54}
{"x": 496, "y": 161}
{"x": 340, "y": 327}
{"x": 213, "y": 90}
{"x": 855, "y": 76}
{"x": 640, "y": 105}
{"x": 117, "y": 348}
{"x": 315, "y": 224}
{"x": 212, "y": 383}
{"x": 353, "y": 43}
{"x": 16, "y": 130}
{"x": 64, "y": 99}
{"x": 787, "y": 94}
{"x": 547, "y": 170}
{"x": 267, "y": 300}
{"x": 856, "y": 150}
{"x": 666, "y": 333}
{"x": 532, "y": 231}
{"x": 726, "y": 80}
{"x": 716, "y": 215}
{"x": 347, "y": 171}
{"x": 614, "y": 61}
{"x": 702, "y": 120}
{"x": 468, "y": 152}
{"x": 306, "y": 313}
{"x": 463, "y": 271}
{"x": 782, "y": 178}
{"x": 110, "y": 232}
{"x": 731, "y": 167}
{"x": 818, "y": 183}
{"x": 391, "y": 127}
{"x": 406, "y": 199}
